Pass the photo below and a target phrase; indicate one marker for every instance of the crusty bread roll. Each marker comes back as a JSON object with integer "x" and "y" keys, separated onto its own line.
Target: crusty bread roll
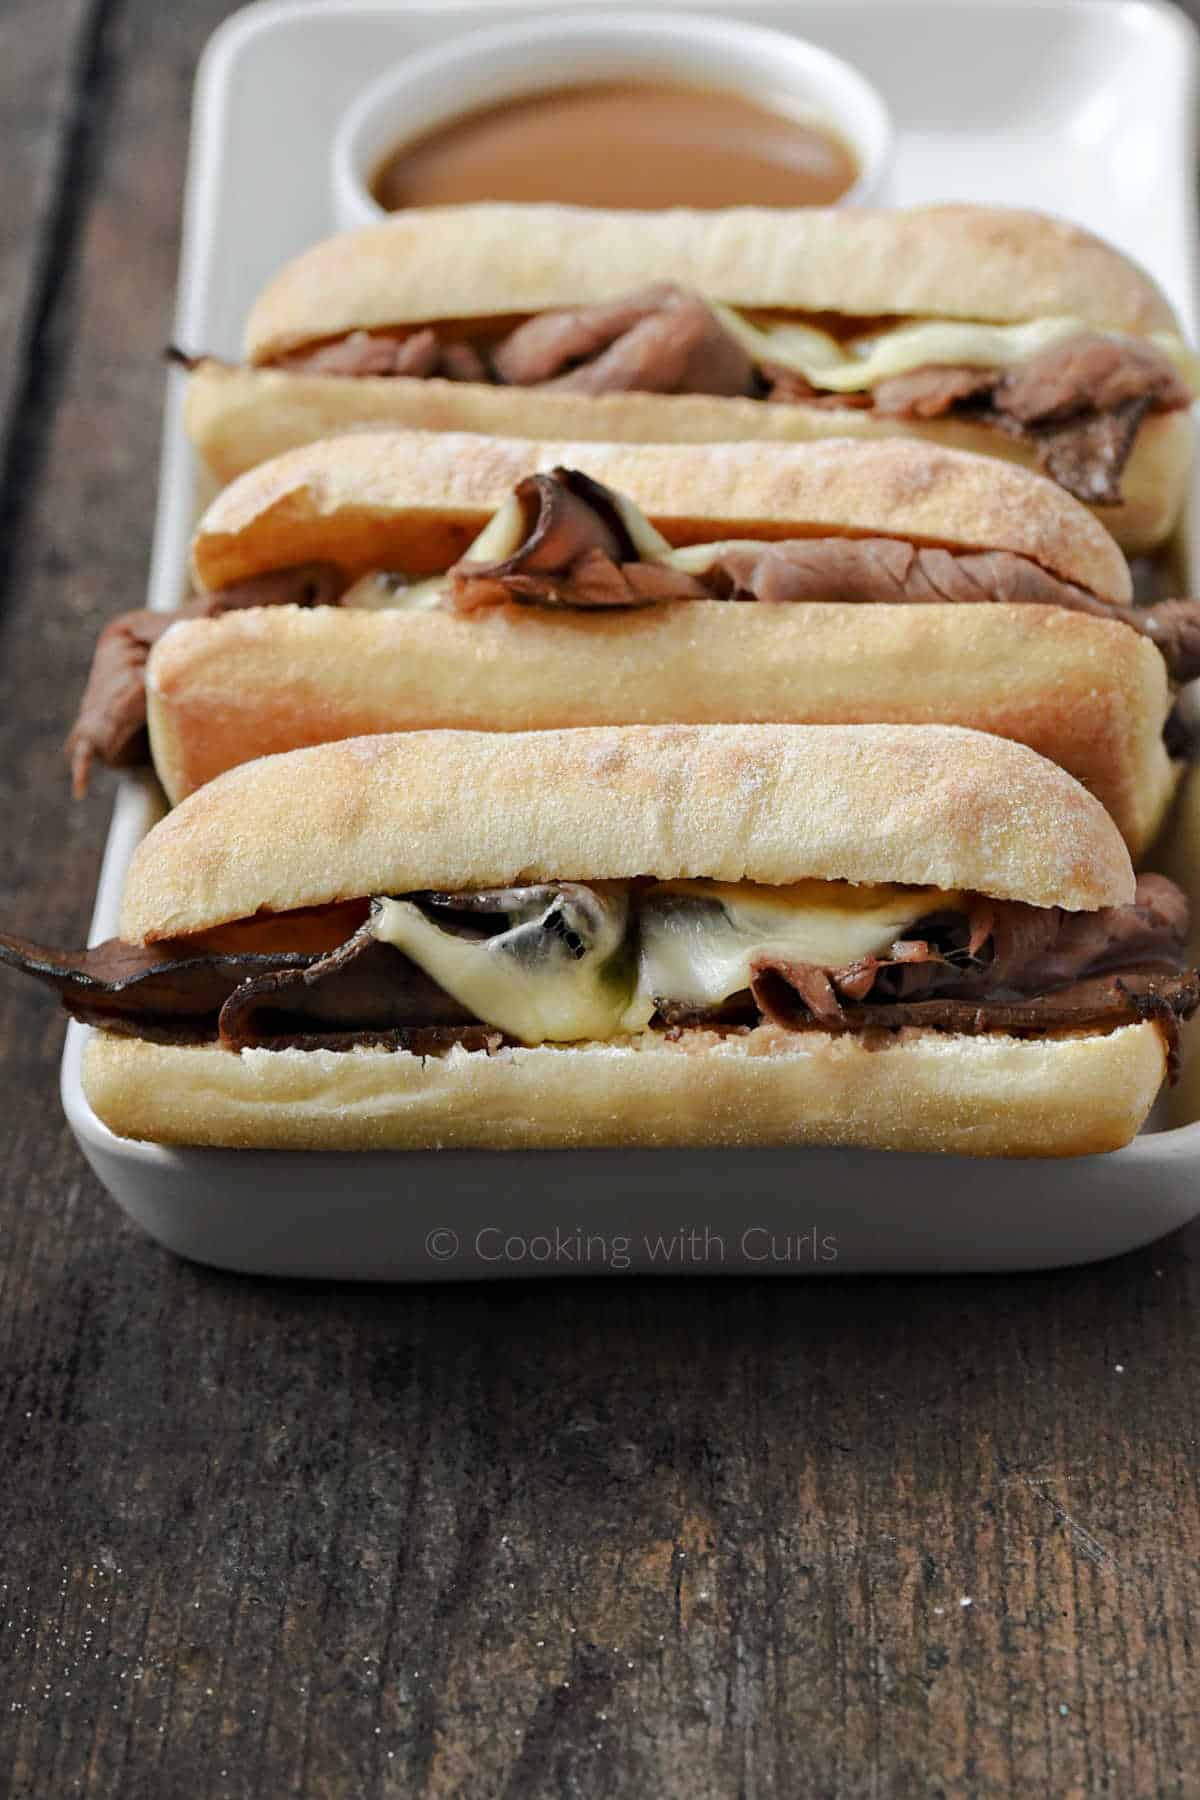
{"x": 419, "y": 498}
{"x": 935, "y": 805}
{"x": 490, "y": 263}
{"x": 471, "y": 262}
{"x": 987, "y": 1096}
{"x": 1087, "y": 692}
{"x": 927, "y": 806}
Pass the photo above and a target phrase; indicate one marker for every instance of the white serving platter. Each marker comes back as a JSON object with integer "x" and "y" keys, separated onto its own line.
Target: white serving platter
{"x": 1081, "y": 107}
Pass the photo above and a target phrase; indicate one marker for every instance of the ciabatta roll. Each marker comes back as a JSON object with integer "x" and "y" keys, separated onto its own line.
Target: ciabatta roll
{"x": 889, "y": 543}
{"x": 913, "y": 937}
{"x": 984, "y": 329}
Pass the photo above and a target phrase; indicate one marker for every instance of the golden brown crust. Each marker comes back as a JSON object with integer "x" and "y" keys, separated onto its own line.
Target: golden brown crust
{"x": 986, "y": 1096}
{"x": 414, "y": 500}
{"x": 926, "y": 805}
{"x": 1088, "y": 693}
{"x": 465, "y": 262}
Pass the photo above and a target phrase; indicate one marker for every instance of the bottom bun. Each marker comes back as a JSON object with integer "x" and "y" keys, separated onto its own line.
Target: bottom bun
{"x": 984, "y": 1096}
{"x": 1088, "y": 693}
{"x": 239, "y": 417}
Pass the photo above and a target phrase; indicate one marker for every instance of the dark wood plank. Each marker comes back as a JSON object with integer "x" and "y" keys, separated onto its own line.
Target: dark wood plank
{"x": 625, "y": 1538}
{"x": 45, "y": 53}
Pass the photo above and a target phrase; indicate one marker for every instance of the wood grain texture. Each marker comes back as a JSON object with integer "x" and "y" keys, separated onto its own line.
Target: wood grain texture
{"x": 47, "y": 57}
{"x": 623, "y": 1538}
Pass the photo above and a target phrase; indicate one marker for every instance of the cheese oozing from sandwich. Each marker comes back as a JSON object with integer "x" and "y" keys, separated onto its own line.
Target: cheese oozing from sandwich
{"x": 570, "y": 962}
{"x": 506, "y": 530}
{"x": 561, "y": 968}
{"x": 700, "y": 939}
{"x": 855, "y": 365}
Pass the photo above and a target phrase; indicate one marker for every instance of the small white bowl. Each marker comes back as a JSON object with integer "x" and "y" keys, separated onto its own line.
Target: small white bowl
{"x": 783, "y": 73}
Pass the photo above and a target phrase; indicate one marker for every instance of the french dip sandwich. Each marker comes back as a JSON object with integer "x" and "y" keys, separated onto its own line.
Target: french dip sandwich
{"x": 980, "y": 328}
{"x": 919, "y": 938}
{"x": 438, "y": 580}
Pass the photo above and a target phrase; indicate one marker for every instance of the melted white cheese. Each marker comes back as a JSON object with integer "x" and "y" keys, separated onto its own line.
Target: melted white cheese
{"x": 700, "y": 938}
{"x": 386, "y": 591}
{"x": 564, "y": 969}
{"x": 861, "y": 363}
{"x": 561, "y": 971}
{"x": 383, "y": 591}
{"x": 646, "y": 539}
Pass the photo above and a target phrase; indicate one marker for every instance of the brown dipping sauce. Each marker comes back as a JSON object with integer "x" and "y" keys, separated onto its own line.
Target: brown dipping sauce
{"x": 621, "y": 144}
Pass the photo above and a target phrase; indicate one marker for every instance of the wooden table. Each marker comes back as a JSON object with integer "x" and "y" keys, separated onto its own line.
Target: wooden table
{"x": 712, "y": 1538}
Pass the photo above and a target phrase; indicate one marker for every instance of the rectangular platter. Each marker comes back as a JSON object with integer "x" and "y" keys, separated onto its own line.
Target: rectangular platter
{"x": 1077, "y": 107}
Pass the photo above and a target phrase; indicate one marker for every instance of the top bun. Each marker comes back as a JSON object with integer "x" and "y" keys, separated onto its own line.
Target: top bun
{"x": 413, "y": 500}
{"x": 916, "y": 804}
{"x": 469, "y": 262}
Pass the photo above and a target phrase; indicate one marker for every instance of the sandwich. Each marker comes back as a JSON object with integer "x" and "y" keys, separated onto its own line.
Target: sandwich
{"x": 979, "y": 328}
{"x": 385, "y": 582}
{"x": 917, "y": 938}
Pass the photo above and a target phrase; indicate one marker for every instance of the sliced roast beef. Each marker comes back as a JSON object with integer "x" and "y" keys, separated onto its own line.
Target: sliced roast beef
{"x": 930, "y": 392}
{"x": 1080, "y": 403}
{"x": 172, "y": 993}
{"x": 663, "y": 340}
{"x": 1087, "y": 455}
{"x": 146, "y": 984}
{"x": 995, "y": 949}
{"x": 549, "y": 344}
{"x": 1089, "y": 373}
{"x": 888, "y": 571}
{"x": 1100, "y": 1002}
{"x": 793, "y": 1001}
{"x": 1174, "y": 627}
{"x": 111, "y": 722}
{"x": 1180, "y": 736}
{"x": 1026, "y": 949}
{"x": 991, "y": 966}
{"x": 363, "y": 987}
{"x": 369, "y": 353}
{"x": 1004, "y": 966}
{"x": 422, "y": 353}
{"x": 576, "y": 551}
{"x": 1149, "y": 934}
{"x": 591, "y": 580}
